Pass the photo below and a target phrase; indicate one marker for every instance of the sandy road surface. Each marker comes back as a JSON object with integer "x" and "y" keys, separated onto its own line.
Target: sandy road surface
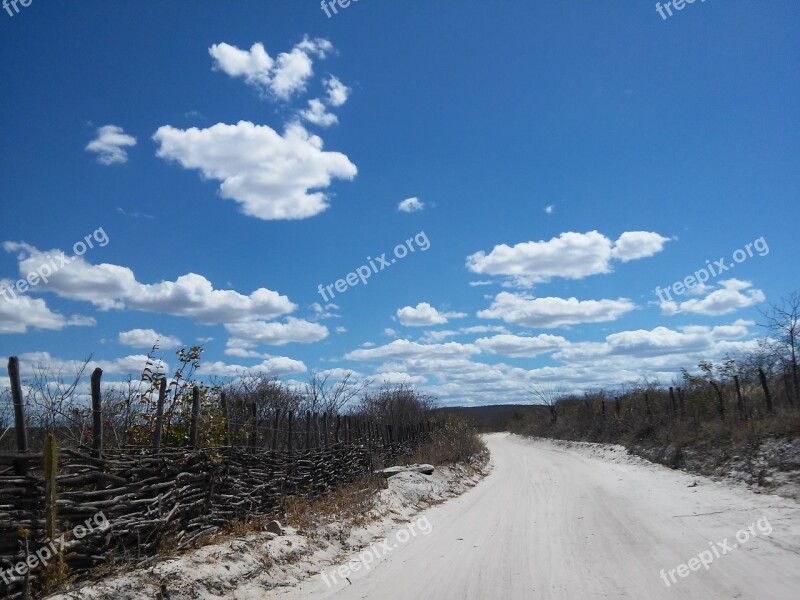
{"x": 566, "y": 524}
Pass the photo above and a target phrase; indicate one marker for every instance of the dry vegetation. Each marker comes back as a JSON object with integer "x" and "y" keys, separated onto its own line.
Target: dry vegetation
{"x": 728, "y": 408}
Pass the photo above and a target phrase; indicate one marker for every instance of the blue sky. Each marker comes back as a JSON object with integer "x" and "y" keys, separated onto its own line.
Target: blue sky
{"x": 566, "y": 158}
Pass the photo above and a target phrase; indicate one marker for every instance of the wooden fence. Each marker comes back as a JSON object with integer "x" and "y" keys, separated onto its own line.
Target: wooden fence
{"x": 90, "y": 506}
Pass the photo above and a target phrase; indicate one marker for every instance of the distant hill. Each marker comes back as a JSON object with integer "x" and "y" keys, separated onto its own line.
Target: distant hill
{"x": 494, "y": 417}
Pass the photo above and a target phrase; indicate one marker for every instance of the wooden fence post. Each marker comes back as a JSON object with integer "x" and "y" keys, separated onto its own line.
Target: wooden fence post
{"x": 316, "y": 430}
{"x": 253, "y": 425}
{"x": 325, "y": 429}
{"x": 681, "y": 406}
{"x": 289, "y": 438}
{"x": 97, "y": 413}
{"x": 223, "y": 399}
{"x": 19, "y": 414}
{"x": 50, "y": 490}
{"x": 162, "y": 394}
{"x": 276, "y": 431}
{"x": 308, "y": 430}
{"x": 195, "y": 425}
{"x": 338, "y": 426}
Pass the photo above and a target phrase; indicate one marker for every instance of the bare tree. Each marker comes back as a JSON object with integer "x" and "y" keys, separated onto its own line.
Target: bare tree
{"x": 327, "y": 395}
{"x": 547, "y": 395}
{"x": 783, "y": 324}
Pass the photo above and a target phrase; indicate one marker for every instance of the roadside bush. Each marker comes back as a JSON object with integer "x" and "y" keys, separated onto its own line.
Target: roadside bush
{"x": 456, "y": 442}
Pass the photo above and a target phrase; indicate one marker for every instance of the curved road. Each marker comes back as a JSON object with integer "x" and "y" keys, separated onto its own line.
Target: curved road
{"x": 563, "y": 524}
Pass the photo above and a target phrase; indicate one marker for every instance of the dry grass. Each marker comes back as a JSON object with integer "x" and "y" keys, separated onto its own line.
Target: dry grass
{"x": 349, "y": 504}
{"x": 457, "y": 442}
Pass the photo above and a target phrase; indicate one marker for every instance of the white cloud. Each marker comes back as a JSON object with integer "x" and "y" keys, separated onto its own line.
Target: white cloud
{"x": 324, "y": 312}
{"x": 282, "y": 77}
{"x": 433, "y": 336}
{"x": 633, "y": 245}
{"x": 570, "y": 256}
{"x": 410, "y": 205}
{"x": 110, "y": 145}
{"x": 337, "y": 91}
{"x": 127, "y": 365}
{"x": 549, "y": 209}
{"x": 272, "y": 366}
{"x": 423, "y": 314}
{"x": 318, "y": 114}
{"x": 19, "y": 314}
{"x": 145, "y": 338}
{"x": 249, "y": 333}
{"x": 271, "y": 176}
{"x": 732, "y": 295}
{"x": 657, "y": 342}
{"x": 397, "y": 377}
{"x": 110, "y": 286}
{"x": 404, "y": 350}
{"x": 528, "y": 311}
{"x": 515, "y": 345}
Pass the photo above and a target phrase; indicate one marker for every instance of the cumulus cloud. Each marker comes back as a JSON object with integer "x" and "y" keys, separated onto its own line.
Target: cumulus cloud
{"x": 19, "y": 314}
{"x": 524, "y": 346}
{"x": 732, "y": 295}
{"x": 318, "y": 114}
{"x": 280, "y": 78}
{"x": 271, "y": 366}
{"x": 404, "y": 350}
{"x": 457, "y": 377}
{"x": 570, "y": 256}
{"x": 271, "y": 176}
{"x": 657, "y": 342}
{"x": 109, "y": 286}
{"x": 146, "y": 338}
{"x": 337, "y": 91}
{"x": 423, "y": 314}
{"x": 410, "y": 205}
{"x": 633, "y": 245}
{"x": 549, "y": 312}
{"x": 249, "y": 333}
{"x": 110, "y": 145}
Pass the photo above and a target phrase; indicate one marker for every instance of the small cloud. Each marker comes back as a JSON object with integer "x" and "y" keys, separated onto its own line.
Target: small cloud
{"x": 318, "y": 115}
{"x": 341, "y": 329}
{"x": 423, "y": 314}
{"x": 147, "y": 338}
{"x": 110, "y": 145}
{"x": 389, "y": 332}
{"x": 410, "y": 205}
{"x": 549, "y": 209}
{"x": 324, "y": 312}
{"x": 337, "y": 91}
{"x": 134, "y": 215}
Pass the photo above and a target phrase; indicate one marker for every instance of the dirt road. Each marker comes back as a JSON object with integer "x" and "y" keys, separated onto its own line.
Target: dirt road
{"x": 550, "y": 522}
